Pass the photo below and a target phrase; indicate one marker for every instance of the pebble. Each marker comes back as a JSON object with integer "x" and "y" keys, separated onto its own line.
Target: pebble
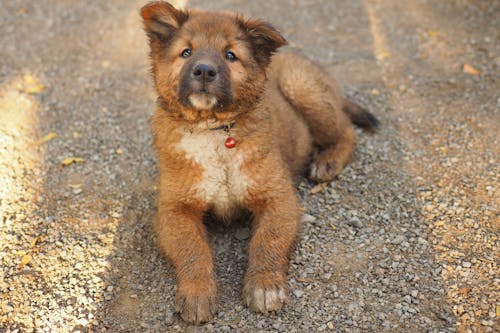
{"x": 169, "y": 318}
{"x": 242, "y": 233}
{"x": 398, "y": 240}
{"x": 306, "y": 218}
{"x": 355, "y": 222}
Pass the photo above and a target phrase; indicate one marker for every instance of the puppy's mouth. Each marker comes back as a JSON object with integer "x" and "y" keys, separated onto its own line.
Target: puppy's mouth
{"x": 202, "y": 101}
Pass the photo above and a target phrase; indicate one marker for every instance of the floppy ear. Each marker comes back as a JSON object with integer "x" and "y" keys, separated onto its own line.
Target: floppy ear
{"x": 263, "y": 38}
{"x": 161, "y": 20}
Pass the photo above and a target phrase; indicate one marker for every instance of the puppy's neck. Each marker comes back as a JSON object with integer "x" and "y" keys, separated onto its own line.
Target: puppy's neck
{"x": 209, "y": 125}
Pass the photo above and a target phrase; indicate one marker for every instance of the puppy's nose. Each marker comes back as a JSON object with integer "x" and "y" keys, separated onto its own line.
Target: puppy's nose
{"x": 204, "y": 73}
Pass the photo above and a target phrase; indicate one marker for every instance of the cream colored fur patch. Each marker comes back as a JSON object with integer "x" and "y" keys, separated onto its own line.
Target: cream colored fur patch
{"x": 223, "y": 183}
{"x": 202, "y": 101}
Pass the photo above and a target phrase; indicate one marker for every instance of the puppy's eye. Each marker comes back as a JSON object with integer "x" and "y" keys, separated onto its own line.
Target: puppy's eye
{"x": 186, "y": 53}
{"x": 230, "y": 56}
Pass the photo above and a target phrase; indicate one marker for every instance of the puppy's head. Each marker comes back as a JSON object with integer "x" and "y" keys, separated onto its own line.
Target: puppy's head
{"x": 207, "y": 63}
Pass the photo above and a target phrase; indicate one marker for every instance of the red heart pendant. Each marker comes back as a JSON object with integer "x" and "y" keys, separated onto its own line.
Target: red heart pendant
{"x": 230, "y": 142}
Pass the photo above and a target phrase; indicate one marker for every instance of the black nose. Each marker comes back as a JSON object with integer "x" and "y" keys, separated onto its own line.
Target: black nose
{"x": 204, "y": 73}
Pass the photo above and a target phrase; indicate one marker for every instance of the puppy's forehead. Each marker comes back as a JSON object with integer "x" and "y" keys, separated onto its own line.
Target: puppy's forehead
{"x": 211, "y": 29}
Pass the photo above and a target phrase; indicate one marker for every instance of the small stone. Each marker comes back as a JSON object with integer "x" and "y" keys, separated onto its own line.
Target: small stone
{"x": 487, "y": 322}
{"x": 83, "y": 321}
{"x": 466, "y": 264}
{"x": 298, "y": 293}
{"x": 398, "y": 240}
{"x": 355, "y": 222}
{"x": 169, "y": 318}
{"x": 306, "y": 218}
{"x": 422, "y": 241}
{"x": 325, "y": 277}
{"x": 277, "y": 326}
{"x": 242, "y": 233}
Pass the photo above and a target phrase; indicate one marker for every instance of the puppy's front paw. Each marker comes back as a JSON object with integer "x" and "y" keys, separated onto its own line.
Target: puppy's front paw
{"x": 196, "y": 301}
{"x": 265, "y": 292}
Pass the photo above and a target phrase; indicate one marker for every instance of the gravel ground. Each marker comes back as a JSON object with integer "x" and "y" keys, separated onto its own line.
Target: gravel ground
{"x": 406, "y": 239}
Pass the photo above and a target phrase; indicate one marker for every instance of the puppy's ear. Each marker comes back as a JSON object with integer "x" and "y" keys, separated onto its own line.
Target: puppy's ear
{"x": 161, "y": 20}
{"x": 263, "y": 38}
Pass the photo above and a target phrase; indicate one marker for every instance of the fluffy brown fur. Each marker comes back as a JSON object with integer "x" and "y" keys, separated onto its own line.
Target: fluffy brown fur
{"x": 215, "y": 71}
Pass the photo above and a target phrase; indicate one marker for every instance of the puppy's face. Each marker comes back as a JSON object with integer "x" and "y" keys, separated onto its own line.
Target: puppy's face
{"x": 207, "y": 63}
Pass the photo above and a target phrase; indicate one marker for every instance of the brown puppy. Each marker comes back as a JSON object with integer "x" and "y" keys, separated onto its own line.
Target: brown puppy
{"x": 233, "y": 127}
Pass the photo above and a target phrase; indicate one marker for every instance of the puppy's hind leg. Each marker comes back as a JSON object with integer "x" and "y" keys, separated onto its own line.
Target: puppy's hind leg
{"x": 329, "y": 161}
{"x": 316, "y": 96}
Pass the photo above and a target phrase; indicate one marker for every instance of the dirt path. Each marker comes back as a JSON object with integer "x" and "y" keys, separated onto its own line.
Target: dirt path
{"x": 406, "y": 239}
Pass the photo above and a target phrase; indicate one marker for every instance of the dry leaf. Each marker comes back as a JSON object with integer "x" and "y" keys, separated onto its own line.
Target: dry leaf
{"x": 470, "y": 70}
{"x": 32, "y": 85}
{"x": 432, "y": 33}
{"x": 47, "y": 138}
{"x": 464, "y": 291}
{"x": 319, "y": 188}
{"x": 439, "y": 224}
{"x": 70, "y": 160}
{"x": 35, "y": 89}
{"x": 383, "y": 55}
{"x": 34, "y": 241}
{"x": 28, "y": 79}
{"x": 26, "y": 259}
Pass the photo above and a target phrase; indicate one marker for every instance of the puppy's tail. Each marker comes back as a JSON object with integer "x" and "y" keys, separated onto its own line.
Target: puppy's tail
{"x": 360, "y": 116}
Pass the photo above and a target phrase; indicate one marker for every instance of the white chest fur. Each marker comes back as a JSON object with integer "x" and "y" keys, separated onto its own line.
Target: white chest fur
{"x": 223, "y": 184}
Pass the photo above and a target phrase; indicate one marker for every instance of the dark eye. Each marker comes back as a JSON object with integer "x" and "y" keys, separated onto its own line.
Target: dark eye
{"x": 186, "y": 53}
{"x": 231, "y": 56}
